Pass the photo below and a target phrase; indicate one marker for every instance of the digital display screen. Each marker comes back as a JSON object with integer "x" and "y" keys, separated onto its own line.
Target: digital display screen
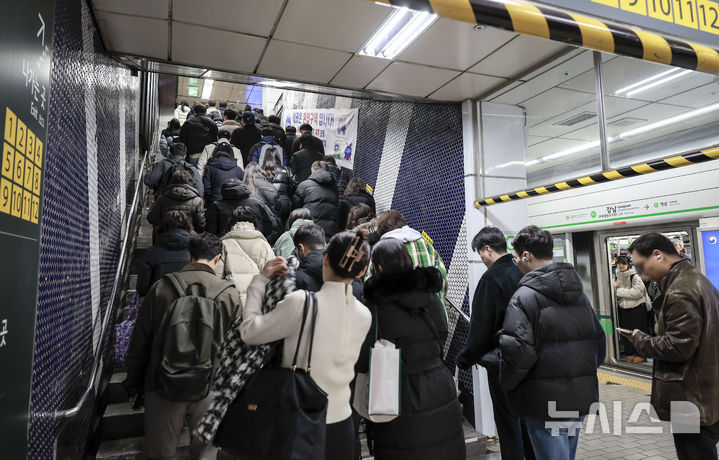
{"x": 710, "y": 245}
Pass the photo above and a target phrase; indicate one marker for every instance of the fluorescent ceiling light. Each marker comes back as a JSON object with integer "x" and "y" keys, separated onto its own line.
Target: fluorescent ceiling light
{"x": 658, "y": 82}
{"x": 531, "y": 163}
{"x": 646, "y": 80}
{"x": 401, "y": 28}
{"x": 571, "y": 151}
{"x": 668, "y": 121}
{"x": 207, "y": 88}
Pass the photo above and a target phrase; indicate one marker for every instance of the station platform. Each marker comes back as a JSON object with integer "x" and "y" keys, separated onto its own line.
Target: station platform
{"x": 609, "y": 446}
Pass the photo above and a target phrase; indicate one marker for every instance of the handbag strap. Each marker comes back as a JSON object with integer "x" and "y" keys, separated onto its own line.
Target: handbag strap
{"x": 312, "y": 331}
{"x": 302, "y": 329}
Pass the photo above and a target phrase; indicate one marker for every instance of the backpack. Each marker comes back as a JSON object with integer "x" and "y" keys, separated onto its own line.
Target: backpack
{"x": 167, "y": 175}
{"x": 268, "y": 151}
{"x": 222, "y": 147}
{"x": 193, "y": 333}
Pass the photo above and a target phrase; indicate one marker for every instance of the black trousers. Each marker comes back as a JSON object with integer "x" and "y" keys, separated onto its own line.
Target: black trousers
{"x": 514, "y": 442}
{"x": 340, "y": 442}
{"x": 633, "y": 318}
{"x": 702, "y": 445}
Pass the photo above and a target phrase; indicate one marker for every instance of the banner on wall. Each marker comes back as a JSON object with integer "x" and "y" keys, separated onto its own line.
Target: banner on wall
{"x": 25, "y": 58}
{"x": 336, "y": 128}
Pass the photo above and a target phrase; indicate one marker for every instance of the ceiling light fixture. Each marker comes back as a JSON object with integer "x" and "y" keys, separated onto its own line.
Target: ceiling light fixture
{"x": 401, "y": 28}
{"x": 207, "y": 88}
{"x": 658, "y": 82}
{"x": 646, "y": 80}
{"x": 669, "y": 121}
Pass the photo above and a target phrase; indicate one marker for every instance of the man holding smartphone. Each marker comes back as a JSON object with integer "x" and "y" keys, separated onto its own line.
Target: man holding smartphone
{"x": 686, "y": 346}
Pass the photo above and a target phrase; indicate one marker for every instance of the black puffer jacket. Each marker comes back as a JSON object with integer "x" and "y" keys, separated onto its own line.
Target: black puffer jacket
{"x": 284, "y": 183}
{"x": 309, "y": 275}
{"x": 551, "y": 344}
{"x": 235, "y": 195}
{"x": 197, "y": 132}
{"x": 410, "y": 315}
{"x": 179, "y": 197}
{"x": 244, "y": 138}
{"x": 340, "y": 177}
{"x": 218, "y": 171}
{"x": 168, "y": 255}
{"x": 319, "y": 195}
{"x": 346, "y": 203}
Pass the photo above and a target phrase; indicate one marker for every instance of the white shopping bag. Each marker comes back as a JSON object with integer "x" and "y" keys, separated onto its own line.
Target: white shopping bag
{"x": 383, "y": 398}
{"x": 392, "y": 384}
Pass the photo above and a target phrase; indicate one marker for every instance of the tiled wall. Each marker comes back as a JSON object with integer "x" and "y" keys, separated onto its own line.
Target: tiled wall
{"x": 91, "y": 156}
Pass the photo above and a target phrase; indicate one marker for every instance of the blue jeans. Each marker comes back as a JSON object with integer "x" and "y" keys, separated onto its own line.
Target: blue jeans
{"x": 561, "y": 445}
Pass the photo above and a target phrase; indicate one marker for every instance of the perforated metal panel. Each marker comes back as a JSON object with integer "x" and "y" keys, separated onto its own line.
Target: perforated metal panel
{"x": 63, "y": 336}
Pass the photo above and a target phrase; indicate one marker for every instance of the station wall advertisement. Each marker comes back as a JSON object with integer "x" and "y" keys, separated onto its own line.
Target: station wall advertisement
{"x": 336, "y": 128}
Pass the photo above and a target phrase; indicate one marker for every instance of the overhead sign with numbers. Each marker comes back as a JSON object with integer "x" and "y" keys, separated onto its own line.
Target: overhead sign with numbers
{"x": 692, "y": 20}
{"x": 25, "y": 62}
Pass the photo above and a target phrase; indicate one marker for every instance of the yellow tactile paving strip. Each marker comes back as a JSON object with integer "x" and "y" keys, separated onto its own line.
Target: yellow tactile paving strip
{"x": 626, "y": 381}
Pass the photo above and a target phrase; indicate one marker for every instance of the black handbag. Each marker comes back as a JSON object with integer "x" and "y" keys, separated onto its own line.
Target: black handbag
{"x": 281, "y": 412}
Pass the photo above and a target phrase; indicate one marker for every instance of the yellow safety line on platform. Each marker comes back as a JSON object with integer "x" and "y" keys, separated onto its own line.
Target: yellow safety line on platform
{"x": 626, "y": 381}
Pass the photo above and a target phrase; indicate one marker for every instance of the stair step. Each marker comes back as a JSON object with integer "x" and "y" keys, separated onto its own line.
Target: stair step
{"x": 115, "y": 392}
{"x": 132, "y": 448}
{"x": 122, "y": 421}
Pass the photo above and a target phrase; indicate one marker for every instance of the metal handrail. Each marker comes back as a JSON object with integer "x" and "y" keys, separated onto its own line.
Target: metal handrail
{"x": 457, "y": 309}
{"x": 73, "y": 411}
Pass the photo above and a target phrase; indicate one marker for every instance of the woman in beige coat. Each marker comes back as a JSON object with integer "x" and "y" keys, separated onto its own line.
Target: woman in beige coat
{"x": 245, "y": 251}
{"x": 631, "y": 299}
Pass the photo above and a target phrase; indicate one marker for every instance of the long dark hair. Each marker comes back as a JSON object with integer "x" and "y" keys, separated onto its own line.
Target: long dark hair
{"x": 392, "y": 256}
{"x": 253, "y": 174}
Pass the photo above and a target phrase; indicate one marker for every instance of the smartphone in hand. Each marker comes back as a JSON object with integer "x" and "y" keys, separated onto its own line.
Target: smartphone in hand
{"x": 621, "y": 330}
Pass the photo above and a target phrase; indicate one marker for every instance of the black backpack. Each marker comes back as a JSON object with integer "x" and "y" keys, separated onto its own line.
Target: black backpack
{"x": 192, "y": 335}
{"x": 181, "y": 165}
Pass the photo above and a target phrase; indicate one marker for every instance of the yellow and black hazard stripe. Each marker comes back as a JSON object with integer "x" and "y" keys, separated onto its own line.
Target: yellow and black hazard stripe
{"x": 689, "y": 158}
{"x": 576, "y": 29}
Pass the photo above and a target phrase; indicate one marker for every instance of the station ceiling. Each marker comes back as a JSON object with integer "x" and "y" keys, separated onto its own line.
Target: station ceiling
{"x": 316, "y": 42}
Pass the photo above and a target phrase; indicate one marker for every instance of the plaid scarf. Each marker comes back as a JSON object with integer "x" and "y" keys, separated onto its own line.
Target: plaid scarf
{"x": 237, "y": 362}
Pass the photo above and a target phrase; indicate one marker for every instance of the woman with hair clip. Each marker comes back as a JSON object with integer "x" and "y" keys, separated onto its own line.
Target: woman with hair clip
{"x": 341, "y": 328}
{"x": 406, "y": 308}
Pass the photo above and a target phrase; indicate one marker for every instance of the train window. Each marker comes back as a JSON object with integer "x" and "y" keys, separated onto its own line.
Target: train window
{"x": 633, "y": 296}
{"x": 655, "y": 110}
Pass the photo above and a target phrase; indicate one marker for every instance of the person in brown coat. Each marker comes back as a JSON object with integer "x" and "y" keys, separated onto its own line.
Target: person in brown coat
{"x": 180, "y": 195}
{"x": 685, "y": 349}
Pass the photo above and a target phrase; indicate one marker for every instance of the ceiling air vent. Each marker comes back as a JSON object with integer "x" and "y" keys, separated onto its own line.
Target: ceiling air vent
{"x": 626, "y": 121}
{"x": 571, "y": 121}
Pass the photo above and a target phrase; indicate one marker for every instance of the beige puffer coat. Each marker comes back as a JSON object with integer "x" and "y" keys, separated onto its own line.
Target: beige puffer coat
{"x": 245, "y": 251}
{"x": 630, "y": 290}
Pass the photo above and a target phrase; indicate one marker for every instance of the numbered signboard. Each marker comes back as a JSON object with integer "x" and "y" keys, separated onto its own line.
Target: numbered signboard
{"x": 695, "y": 21}
{"x": 25, "y": 62}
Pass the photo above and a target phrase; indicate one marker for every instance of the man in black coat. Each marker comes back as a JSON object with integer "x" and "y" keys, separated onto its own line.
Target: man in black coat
{"x": 491, "y": 297}
{"x": 197, "y": 132}
{"x": 245, "y": 137}
{"x": 290, "y": 136}
{"x": 301, "y": 162}
{"x": 319, "y": 195}
{"x": 316, "y": 141}
{"x": 235, "y": 193}
{"x": 550, "y": 347}
{"x": 221, "y": 167}
{"x": 310, "y": 243}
